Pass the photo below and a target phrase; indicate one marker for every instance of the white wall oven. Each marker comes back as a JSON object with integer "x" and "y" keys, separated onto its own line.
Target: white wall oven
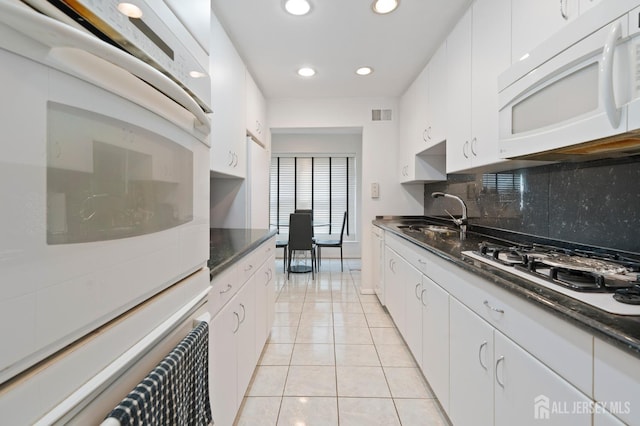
{"x": 579, "y": 92}
{"x": 103, "y": 169}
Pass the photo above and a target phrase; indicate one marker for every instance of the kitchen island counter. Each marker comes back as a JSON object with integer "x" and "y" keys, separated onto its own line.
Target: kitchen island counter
{"x": 228, "y": 245}
{"x": 621, "y": 330}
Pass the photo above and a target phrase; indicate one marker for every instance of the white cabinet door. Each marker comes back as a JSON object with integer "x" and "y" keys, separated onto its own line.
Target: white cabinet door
{"x": 412, "y": 331}
{"x": 471, "y": 378}
{"x": 256, "y": 113}
{"x": 223, "y": 365}
{"x": 435, "y": 339}
{"x": 527, "y": 391}
{"x": 535, "y": 21}
{"x": 490, "y": 56}
{"x": 478, "y": 49}
{"x": 459, "y": 95}
{"x": 377, "y": 250}
{"x": 394, "y": 286}
{"x": 422, "y": 121}
{"x": 228, "y": 133}
{"x": 265, "y": 302}
{"x": 245, "y": 306}
{"x": 407, "y": 144}
{"x": 616, "y": 381}
{"x": 603, "y": 418}
{"x": 437, "y": 97}
{"x": 258, "y": 189}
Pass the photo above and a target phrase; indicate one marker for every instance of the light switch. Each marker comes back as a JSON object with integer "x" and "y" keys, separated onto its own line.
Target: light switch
{"x": 375, "y": 190}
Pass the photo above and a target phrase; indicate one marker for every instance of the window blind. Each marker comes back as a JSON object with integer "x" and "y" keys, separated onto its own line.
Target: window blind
{"x": 326, "y": 185}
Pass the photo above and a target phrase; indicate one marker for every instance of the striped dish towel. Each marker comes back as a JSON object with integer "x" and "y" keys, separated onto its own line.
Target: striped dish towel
{"x": 176, "y": 392}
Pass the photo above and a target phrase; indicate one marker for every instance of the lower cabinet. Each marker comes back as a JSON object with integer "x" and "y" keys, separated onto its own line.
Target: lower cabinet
{"x": 616, "y": 384}
{"x": 434, "y": 301}
{"x": 239, "y": 330}
{"x": 265, "y": 286}
{"x": 394, "y": 287}
{"x": 496, "y": 382}
{"x": 232, "y": 354}
{"x": 377, "y": 257}
{"x": 412, "y": 331}
{"x": 471, "y": 367}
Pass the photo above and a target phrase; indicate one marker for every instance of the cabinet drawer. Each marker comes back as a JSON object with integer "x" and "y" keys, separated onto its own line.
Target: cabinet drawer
{"x": 413, "y": 254}
{"x": 248, "y": 265}
{"x": 223, "y": 288}
{"x": 265, "y": 251}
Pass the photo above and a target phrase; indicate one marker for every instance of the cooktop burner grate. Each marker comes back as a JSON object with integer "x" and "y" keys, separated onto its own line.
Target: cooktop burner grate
{"x": 581, "y": 271}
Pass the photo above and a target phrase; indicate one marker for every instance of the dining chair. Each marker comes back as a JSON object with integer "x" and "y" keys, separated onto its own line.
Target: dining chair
{"x": 309, "y": 212}
{"x": 333, "y": 243}
{"x": 301, "y": 239}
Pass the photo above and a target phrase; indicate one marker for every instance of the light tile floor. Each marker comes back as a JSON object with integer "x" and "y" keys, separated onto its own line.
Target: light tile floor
{"x": 334, "y": 357}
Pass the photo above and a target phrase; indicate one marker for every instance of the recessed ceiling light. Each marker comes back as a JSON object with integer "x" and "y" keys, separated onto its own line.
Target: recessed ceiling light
{"x": 364, "y": 70}
{"x": 384, "y": 6}
{"x": 130, "y": 10}
{"x": 306, "y": 72}
{"x": 297, "y": 7}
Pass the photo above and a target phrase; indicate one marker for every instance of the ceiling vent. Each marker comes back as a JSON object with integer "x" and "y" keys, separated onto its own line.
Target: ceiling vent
{"x": 380, "y": 115}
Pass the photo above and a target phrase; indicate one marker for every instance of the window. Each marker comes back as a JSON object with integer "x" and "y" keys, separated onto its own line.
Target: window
{"x": 324, "y": 184}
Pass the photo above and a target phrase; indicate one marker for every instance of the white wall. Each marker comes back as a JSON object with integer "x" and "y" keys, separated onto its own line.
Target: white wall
{"x": 228, "y": 203}
{"x": 379, "y": 160}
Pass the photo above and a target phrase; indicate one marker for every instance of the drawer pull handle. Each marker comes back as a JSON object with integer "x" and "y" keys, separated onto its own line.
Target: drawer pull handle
{"x": 229, "y": 287}
{"x": 424, "y": 290}
{"x": 244, "y": 313}
{"x": 498, "y": 362}
{"x": 483, "y": 345}
{"x": 237, "y": 322}
{"x": 562, "y": 11}
{"x": 486, "y": 303}
{"x": 422, "y": 262}
{"x": 415, "y": 291}
{"x": 248, "y": 268}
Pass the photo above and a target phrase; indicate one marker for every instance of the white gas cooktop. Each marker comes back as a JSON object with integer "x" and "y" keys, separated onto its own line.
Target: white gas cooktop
{"x": 603, "y": 301}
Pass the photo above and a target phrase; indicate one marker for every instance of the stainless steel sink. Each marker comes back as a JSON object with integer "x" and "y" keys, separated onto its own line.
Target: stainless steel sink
{"x": 430, "y": 230}
{"x": 437, "y": 228}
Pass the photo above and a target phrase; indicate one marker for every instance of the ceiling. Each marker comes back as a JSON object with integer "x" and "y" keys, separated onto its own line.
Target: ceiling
{"x": 336, "y": 38}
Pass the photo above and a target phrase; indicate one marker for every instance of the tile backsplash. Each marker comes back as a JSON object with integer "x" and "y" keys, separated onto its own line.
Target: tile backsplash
{"x": 595, "y": 203}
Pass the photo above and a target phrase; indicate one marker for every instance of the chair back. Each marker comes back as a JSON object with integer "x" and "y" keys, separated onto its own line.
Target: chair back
{"x": 300, "y": 231}
{"x": 344, "y": 224}
{"x": 304, "y": 211}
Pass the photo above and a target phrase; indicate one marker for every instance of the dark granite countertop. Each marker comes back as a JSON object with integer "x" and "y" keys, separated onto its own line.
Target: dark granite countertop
{"x": 620, "y": 330}
{"x": 227, "y": 246}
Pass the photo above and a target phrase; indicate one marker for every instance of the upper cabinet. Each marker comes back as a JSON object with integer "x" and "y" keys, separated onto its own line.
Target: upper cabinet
{"x": 423, "y": 123}
{"x": 535, "y": 21}
{"x": 256, "y": 113}
{"x": 478, "y": 49}
{"x": 436, "y": 129}
{"x": 228, "y": 132}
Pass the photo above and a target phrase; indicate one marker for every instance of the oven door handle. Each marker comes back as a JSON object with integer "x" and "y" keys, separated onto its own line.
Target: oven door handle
{"x": 60, "y": 37}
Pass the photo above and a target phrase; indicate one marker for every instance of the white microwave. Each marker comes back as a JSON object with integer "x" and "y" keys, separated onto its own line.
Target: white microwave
{"x": 103, "y": 180}
{"x": 578, "y": 93}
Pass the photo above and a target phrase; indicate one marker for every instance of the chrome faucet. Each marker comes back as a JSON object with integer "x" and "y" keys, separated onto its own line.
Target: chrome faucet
{"x": 462, "y": 222}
